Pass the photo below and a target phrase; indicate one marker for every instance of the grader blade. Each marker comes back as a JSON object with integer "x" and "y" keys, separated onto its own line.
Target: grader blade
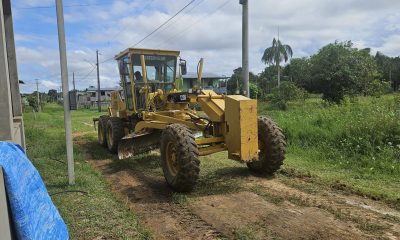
{"x": 134, "y": 144}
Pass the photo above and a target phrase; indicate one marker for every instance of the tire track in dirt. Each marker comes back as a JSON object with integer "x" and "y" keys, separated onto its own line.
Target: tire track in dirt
{"x": 373, "y": 218}
{"x": 150, "y": 198}
{"x": 267, "y": 220}
{"x": 266, "y": 208}
{"x": 216, "y": 216}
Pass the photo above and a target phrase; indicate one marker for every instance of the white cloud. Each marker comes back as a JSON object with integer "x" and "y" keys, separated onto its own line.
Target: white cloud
{"x": 391, "y": 46}
{"x": 49, "y": 84}
{"x": 31, "y": 3}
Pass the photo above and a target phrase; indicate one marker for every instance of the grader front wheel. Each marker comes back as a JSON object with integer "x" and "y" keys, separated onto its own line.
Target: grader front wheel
{"x": 101, "y": 130}
{"x": 115, "y": 131}
{"x": 179, "y": 157}
{"x": 272, "y": 147}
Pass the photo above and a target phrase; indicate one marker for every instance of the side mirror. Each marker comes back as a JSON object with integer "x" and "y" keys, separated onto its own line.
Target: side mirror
{"x": 123, "y": 70}
{"x": 182, "y": 64}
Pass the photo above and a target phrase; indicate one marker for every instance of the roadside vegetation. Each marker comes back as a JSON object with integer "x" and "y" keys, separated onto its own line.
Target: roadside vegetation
{"x": 94, "y": 213}
{"x": 340, "y": 112}
{"x": 354, "y": 146}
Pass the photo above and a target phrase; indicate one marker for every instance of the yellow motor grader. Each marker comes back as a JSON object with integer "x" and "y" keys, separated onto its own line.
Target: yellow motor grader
{"x": 151, "y": 113}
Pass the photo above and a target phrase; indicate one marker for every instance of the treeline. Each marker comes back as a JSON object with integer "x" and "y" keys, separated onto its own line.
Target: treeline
{"x": 336, "y": 71}
{"x": 33, "y": 101}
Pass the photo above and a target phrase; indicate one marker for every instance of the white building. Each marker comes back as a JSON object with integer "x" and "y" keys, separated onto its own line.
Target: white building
{"x": 88, "y": 98}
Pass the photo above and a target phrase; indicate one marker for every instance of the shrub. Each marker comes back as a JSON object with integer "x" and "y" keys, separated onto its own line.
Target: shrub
{"x": 254, "y": 91}
{"x": 288, "y": 91}
{"x": 377, "y": 88}
{"x": 32, "y": 101}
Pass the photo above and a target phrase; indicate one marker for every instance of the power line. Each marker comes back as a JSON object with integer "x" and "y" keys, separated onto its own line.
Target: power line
{"x": 66, "y": 6}
{"x": 155, "y": 30}
{"x": 195, "y": 23}
{"x": 148, "y": 35}
{"x": 188, "y": 11}
{"x": 87, "y": 75}
{"x": 121, "y": 30}
{"x": 144, "y": 8}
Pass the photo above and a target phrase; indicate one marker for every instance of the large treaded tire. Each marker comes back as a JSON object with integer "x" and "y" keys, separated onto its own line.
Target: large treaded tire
{"x": 115, "y": 131}
{"x": 183, "y": 173}
{"x": 101, "y": 130}
{"x": 272, "y": 146}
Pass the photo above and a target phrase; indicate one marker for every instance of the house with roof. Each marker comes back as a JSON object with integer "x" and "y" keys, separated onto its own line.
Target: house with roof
{"x": 88, "y": 98}
{"x": 209, "y": 80}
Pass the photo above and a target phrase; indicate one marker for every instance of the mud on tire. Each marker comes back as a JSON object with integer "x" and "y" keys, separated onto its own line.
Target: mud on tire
{"x": 272, "y": 146}
{"x": 101, "y": 130}
{"x": 115, "y": 131}
{"x": 179, "y": 157}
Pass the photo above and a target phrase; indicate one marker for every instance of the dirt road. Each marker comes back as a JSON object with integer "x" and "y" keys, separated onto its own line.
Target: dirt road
{"x": 261, "y": 208}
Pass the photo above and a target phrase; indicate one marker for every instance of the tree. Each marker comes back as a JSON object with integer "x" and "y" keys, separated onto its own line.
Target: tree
{"x": 235, "y": 82}
{"x": 52, "y": 94}
{"x": 299, "y": 72}
{"x": 367, "y": 70}
{"x": 32, "y": 101}
{"x": 277, "y": 53}
{"x": 267, "y": 80}
{"x": 339, "y": 69}
{"x": 389, "y": 68}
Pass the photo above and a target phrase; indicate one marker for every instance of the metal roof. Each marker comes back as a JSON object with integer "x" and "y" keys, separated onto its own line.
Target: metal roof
{"x": 146, "y": 52}
{"x": 94, "y": 89}
{"x": 193, "y": 75}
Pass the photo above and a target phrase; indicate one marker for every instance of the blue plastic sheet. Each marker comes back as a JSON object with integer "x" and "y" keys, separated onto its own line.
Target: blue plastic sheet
{"x": 34, "y": 215}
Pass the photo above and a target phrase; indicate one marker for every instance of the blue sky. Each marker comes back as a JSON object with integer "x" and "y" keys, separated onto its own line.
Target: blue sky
{"x": 207, "y": 28}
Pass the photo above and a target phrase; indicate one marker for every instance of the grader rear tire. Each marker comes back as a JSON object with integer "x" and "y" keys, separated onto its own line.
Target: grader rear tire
{"x": 101, "y": 130}
{"x": 179, "y": 157}
{"x": 115, "y": 131}
{"x": 272, "y": 147}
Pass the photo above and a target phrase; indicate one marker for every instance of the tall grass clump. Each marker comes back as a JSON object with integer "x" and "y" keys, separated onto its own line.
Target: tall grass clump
{"x": 361, "y": 135}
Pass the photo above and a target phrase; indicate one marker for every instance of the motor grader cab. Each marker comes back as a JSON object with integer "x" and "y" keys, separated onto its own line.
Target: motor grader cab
{"x": 152, "y": 114}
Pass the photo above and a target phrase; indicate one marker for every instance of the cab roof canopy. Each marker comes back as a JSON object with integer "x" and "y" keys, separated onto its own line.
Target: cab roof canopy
{"x": 146, "y": 52}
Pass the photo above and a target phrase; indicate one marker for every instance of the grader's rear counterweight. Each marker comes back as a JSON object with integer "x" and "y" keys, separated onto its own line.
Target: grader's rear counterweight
{"x": 153, "y": 114}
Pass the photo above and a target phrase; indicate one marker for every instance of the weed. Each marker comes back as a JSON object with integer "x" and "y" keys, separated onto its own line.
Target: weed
{"x": 254, "y": 231}
{"x": 179, "y": 198}
{"x": 267, "y": 196}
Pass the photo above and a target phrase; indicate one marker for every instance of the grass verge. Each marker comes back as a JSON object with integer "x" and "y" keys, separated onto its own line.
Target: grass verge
{"x": 354, "y": 146}
{"x": 95, "y": 215}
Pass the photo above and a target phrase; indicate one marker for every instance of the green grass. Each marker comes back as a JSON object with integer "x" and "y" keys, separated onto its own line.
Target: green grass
{"x": 356, "y": 144}
{"x": 95, "y": 215}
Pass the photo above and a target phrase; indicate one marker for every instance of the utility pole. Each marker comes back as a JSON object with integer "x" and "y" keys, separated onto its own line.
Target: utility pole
{"x": 98, "y": 82}
{"x": 73, "y": 80}
{"x": 279, "y": 67}
{"x": 245, "y": 47}
{"x": 59, "y": 94}
{"x": 75, "y": 92}
{"x": 390, "y": 77}
{"x": 64, "y": 77}
{"x": 37, "y": 95}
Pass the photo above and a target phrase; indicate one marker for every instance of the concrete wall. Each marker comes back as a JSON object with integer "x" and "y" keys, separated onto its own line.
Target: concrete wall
{"x": 11, "y": 121}
{"x": 5, "y": 227}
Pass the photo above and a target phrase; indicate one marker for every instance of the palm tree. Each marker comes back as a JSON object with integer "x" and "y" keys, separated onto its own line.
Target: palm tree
{"x": 277, "y": 53}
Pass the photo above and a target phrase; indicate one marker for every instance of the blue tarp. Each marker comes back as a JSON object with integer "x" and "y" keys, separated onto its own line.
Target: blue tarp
{"x": 34, "y": 215}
